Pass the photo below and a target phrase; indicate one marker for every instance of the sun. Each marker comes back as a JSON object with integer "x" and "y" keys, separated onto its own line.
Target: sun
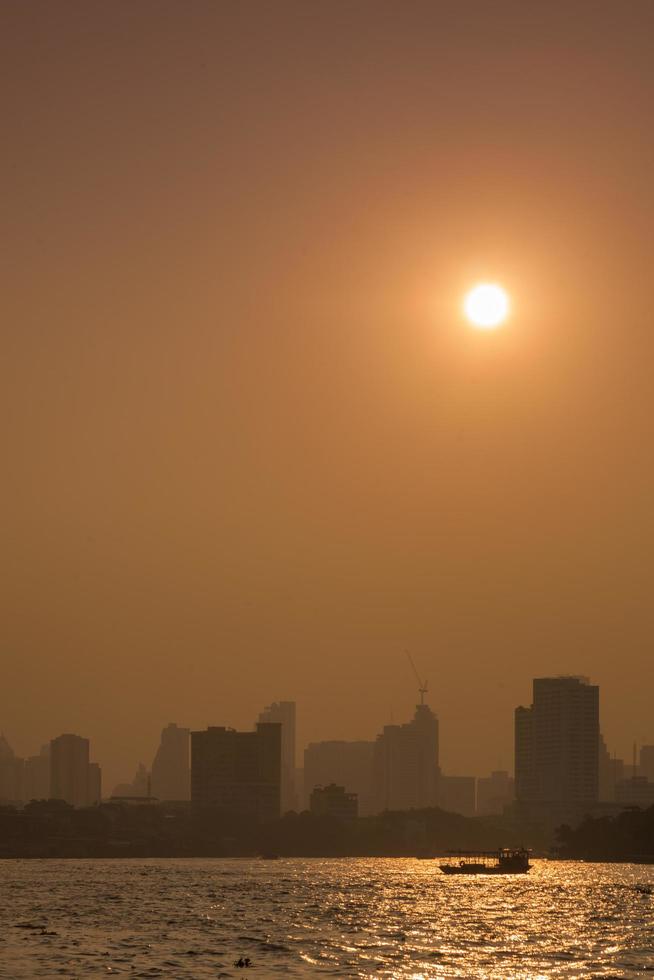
{"x": 486, "y": 305}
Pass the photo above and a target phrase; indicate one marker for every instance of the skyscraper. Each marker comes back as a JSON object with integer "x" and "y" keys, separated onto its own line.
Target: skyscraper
{"x": 557, "y": 742}
{"x": 11, "y": 774}
{"x": 405, "y": 765}
{"x": 37, "y": 775}
{"x": 283, "y": 713}
{"x": 71, "y": 777}
{"x": 238, "y": 771}
{"x": 171, "y": 771}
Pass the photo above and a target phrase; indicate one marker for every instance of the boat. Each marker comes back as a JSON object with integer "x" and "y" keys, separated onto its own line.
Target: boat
{"x": 503, "y": 861}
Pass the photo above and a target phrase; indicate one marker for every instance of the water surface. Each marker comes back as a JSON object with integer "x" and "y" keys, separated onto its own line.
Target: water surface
{"x": 382, "y": 918}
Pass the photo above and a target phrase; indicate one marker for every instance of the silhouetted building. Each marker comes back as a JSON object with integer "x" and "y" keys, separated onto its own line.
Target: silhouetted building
{"x": 610, "y": 773}
{"x": 171, "y": 771}
{"x": 139, "y": 786}
{"x": 12, "y": 772}
{"x": 94, "y": 796}
{"x": 637, "y": 791}
{"x": 456, "y": 794}
{"x": 557, "y": 743}
{"x": 525, "y": 778}
{"x": 333, "y": 801}
{"x": 647, "y": 762}
{"x": 37, "y": 775}
{"x": 494, "y": 792}
{"x": 238, "y": 771}
{"x": 71, "y": 777}
{"x": 283, "y": 713}
{"x": 405, "y": 764}
{"x": 347, "y": 764}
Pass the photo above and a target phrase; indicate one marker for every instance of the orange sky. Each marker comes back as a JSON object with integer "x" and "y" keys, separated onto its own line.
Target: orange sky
{"x": 250, "y": 449}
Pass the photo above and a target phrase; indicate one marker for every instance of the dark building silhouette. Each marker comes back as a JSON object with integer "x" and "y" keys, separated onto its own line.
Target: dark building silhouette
{"x": 347, "y": 764}
{"x": 72, "y": 777}
{"x": 94, "y": 791}
{"x": 171, "y": 771}
{"x": 334, "y": 801}
{"x": 557, "y": 743}
{"x": 283, "y": 713}
{"x": 139, "y": 786}
{"x": 405, "y": 764}
{"x": 647, "y": 762}
{"x": 12, "y": 772}
{"x": 494, "y": 792}
{"x": 37, "y": 775}
{"x": 238, "y": 771}
{"x": 636, "y": 791}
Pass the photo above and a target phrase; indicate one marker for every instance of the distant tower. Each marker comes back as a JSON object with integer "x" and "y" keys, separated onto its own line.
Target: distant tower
{"x": 405, "y": 761}
{"x": 69, "y": 770}
{"x": 237, "y": 772}
{"x": 283, "y": 713}
{"x": 557, "y": 742}
{"x": 171, "y": 771}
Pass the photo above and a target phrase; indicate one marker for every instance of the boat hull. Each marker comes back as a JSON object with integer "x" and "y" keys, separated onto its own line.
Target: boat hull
{"x": 451, "y": 869}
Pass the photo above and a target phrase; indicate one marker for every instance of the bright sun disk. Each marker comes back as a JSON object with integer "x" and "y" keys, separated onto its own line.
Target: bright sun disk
{"x": 486, "y": 305}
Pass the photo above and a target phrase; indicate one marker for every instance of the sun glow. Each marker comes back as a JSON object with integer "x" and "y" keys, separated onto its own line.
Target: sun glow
{"x": 486, "y": 305}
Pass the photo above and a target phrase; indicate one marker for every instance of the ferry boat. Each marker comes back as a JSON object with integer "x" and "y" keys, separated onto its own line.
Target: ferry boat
{"x": 504, "y": 861}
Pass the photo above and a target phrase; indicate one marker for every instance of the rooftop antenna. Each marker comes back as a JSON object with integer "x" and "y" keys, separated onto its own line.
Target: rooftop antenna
{"x": 422, "y": 685}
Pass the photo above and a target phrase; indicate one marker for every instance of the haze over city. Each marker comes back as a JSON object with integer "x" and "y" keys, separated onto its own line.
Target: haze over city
{"x": 253, "y": 449}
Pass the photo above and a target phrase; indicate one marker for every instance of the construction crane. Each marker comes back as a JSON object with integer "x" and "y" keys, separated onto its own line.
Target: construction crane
{"x": 422, "y": 685}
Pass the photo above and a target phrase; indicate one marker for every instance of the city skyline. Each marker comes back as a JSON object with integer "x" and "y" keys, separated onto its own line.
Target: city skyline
{"x": 410, "y": 749}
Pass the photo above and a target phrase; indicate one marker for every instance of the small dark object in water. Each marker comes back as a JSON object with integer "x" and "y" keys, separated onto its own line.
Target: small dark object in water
{"x": 644, "y": 889}
{"x": 243, "y": 961}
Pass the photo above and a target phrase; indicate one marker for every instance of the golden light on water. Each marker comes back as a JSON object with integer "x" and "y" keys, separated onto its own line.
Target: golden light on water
{"x": 486, "y": 305}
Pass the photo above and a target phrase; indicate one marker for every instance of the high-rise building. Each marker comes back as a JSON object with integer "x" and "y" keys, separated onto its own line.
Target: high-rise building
{"x": 333, "y": 801}
{"x": 94, "y": 792}
{"x": 71, "y": 777}
{"x": 494, "y": 792}
{"x": 37, "y": 775}
{"x": 636, "y": 791}
{"x": 405, "y": 765}
{"x": 347, "y": 764}
{"x": 171, "y": 771}
{"x": 238, "y": 771}
{"x": 283, "y": 713}
{"x": 557, "y": 743}
{"x": 647, "y": 762}
{"x": 12, "y": 772}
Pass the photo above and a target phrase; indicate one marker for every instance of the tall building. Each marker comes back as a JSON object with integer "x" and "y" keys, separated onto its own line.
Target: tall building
{"x": 12, "y": 771}
{"x": 72, "y": 777}
{"x": 333, "y": 801}
{"x": 171, "y": 771}
{"x": 283, "y": 713}
{"x": 494, "y": 792}
{"x": 238, "y": 771}
{"x": 347, "y": 764}
{"x": 405, "y": 764}
{"x": 647, "y": 762}
{"x": 94, "y": 790}
{"x": 557, "y": 743}
{"x": 37, "y": 775}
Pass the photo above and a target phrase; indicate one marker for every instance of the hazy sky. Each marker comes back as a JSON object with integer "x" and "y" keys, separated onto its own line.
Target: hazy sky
{"x": 250, "y": 449}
